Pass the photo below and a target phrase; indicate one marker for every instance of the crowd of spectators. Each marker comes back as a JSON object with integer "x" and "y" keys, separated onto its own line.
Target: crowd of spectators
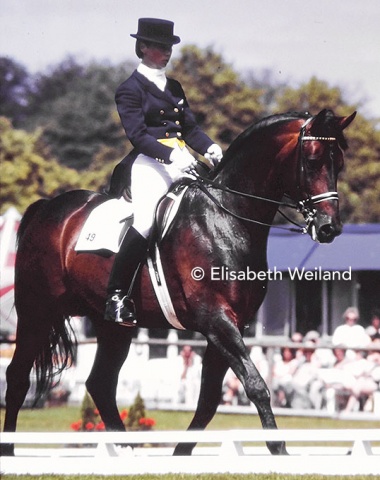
{"x": 339, "y": 374}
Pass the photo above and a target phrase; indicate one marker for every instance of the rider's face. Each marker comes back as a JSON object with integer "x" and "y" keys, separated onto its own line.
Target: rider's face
{"x": 156, "y": 55}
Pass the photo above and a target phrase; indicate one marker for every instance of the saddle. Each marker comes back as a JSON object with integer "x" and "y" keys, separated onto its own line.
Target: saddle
{"x": 116, "y": 215}
{"x": 167, "y": 210}
{"x": 108, "y": 223}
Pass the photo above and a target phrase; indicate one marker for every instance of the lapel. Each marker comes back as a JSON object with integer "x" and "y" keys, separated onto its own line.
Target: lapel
{"x": 154, "y": 90}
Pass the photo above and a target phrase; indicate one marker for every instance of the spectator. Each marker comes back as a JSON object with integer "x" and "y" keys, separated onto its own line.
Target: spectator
{"x": 297, "y": 337}
{"x": 374, "y": 356}
{"x": 350, "y": 334}
{"x": 337, "y": 381}
{"x": 306, "y": 385}
{"x": 374, "y": 329}
{"x": 233, "y": 391}
{"x": 363, "y": 385}
{"x": 374, "y": 359}
{"x": 349, "y": 382}
{"x": 260, "y": 361}
{"x": 283, "y": 370}
{"x": 323, "y": 357}
{"x": 190, "y": 365}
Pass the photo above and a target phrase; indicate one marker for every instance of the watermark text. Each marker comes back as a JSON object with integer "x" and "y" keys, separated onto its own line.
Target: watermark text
{"x": 224, "y": 273}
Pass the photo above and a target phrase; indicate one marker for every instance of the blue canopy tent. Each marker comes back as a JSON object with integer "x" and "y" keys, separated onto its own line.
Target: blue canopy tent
{"x": 291, "y": 304}
{"x": 358, "y": 247}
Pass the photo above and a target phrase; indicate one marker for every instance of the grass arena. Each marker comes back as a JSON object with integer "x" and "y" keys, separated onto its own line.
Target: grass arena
{"x": 232, "y": 447}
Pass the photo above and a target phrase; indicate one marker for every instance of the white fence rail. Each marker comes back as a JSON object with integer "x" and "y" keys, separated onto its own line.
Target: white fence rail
{"x": 234, "y": 451}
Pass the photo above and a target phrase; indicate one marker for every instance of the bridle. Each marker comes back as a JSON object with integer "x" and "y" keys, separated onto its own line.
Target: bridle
{"x": 304, "y": 206}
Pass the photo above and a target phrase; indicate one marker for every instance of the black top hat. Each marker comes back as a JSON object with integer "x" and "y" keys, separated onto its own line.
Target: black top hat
{"x": 156, "y": 30}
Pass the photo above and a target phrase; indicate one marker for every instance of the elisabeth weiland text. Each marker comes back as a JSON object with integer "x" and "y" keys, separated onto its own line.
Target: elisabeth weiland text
{"x": 224, "y": 273}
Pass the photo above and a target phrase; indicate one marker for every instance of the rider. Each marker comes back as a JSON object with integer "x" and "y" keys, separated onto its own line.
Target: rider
{"x": 159, "y": 123}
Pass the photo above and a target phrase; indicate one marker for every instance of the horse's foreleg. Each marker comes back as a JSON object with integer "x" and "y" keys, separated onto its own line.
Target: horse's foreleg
{"x": 214, "y": 368}
{"x": 113, "y": 347}
{"x": 229, "y": 342}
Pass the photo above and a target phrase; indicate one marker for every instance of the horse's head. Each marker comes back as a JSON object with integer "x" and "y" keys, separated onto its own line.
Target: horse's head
{"x": 319, "y": 160}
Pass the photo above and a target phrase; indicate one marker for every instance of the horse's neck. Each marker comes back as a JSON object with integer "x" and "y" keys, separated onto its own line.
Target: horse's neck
{"x": 254, "y": 173}
{"x": 251, "y": 177}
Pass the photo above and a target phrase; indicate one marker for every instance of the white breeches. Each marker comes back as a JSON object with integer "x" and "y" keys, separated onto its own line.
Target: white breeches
{"x": 150, "y": 181}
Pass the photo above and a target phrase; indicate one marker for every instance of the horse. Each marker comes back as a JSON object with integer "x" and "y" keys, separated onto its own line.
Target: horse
{"x": 223, "y": 222}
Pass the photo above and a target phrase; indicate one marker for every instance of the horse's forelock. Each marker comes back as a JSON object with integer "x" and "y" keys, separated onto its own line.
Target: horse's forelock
{"x": 327, "y": 124}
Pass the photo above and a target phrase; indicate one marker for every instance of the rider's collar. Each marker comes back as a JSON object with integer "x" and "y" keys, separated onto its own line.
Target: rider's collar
{"x": 155, "y": 75}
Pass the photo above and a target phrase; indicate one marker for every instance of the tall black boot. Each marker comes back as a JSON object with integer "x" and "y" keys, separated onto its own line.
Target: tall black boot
{"x": 119, "y": 306}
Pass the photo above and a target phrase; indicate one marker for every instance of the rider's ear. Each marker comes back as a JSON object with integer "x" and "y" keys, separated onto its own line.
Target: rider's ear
{"x": 143, "y": 46}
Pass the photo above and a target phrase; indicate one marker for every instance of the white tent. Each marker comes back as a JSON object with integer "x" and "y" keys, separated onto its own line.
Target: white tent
{"x": 9, "y": 223}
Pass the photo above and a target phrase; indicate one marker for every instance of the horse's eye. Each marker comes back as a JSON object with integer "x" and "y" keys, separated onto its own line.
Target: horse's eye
{"x": 314, "y": 162}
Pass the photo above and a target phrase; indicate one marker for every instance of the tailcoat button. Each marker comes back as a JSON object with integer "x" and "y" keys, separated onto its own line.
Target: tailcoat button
{"x": 176, "y": 110}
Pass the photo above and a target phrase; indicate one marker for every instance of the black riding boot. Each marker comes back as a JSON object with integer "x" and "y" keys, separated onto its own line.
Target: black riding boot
{"x": 119, "y": 307}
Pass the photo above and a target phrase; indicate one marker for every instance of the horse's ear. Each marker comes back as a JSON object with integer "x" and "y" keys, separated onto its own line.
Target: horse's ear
{"x": 343, "y": 122}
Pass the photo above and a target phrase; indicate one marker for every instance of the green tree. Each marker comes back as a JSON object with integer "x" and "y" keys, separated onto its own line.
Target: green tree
{"x": 136, "y": 413}
{"x": 223, "y": 104}
{"x": 27, "y": 172}
{"x": 360, "y": 181}
{"x": 14, "y": 90}
{"x": 311, "y": 97}
{"x": 74, "y": 105}
{"x": 70, "y": 113}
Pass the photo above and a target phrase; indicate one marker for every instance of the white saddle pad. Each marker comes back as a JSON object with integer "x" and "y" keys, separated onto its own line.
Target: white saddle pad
{"x": 103, "y": 228}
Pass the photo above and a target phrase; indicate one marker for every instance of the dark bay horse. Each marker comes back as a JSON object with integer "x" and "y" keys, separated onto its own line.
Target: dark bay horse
{"x": 223, "y": 224}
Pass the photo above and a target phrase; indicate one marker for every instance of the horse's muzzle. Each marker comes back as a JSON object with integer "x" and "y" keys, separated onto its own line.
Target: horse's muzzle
{"x": 326, "y": 232}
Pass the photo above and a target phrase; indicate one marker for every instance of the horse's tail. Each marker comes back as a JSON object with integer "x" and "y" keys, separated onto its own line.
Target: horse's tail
{"x": 58, "y": 353}
{"x": 28, "y": 215}
{"x": 60, "y": 348}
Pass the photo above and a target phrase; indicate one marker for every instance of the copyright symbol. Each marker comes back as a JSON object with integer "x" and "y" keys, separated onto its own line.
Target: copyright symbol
{"x": 197, "y": 273}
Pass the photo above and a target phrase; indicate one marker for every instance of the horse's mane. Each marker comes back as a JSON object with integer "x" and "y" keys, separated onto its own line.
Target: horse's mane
{"x": 267, "y": 123}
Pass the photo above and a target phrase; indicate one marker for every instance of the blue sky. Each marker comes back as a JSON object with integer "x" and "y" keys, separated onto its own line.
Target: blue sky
{"x": 336, "y": 40}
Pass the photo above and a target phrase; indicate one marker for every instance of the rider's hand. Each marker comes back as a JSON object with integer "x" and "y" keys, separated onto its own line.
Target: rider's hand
{"x": 176, "y": 174}
{"x": 182, "y": 159}
{"x": 214, "y": 154}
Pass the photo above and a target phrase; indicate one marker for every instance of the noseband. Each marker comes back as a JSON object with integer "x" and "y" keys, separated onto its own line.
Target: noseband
{"x": 306, "y": 206}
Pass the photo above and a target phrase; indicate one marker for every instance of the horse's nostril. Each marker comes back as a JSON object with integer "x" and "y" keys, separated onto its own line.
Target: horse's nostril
{"x": 327, "y": 229}
{"x": 327, "y": 233}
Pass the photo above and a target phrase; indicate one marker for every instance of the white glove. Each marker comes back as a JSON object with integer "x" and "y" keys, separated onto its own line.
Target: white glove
{"x": 182, "y": 159}
{"x": 214, "y": 154}
{"x": 176, "y": 174}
